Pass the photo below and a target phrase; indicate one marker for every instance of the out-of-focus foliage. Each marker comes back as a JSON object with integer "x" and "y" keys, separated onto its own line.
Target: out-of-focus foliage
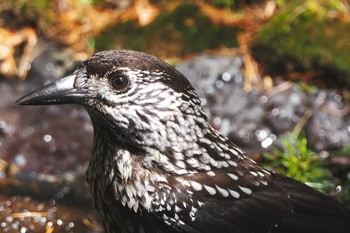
{"x": 25, "y": 23}
{"x": 308, "y": 34}
{"x": 296, "y": 160}
{"x": 165, "y": 28}
{"x": 299, "y": 35}
{"x": 172, "y": 33}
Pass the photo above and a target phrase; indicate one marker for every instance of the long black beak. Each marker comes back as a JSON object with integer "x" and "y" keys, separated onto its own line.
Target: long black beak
{"x": 60, "y": 92}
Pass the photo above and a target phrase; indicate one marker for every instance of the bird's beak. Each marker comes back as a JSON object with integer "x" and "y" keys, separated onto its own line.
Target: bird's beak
{"x": 60, "y": 92}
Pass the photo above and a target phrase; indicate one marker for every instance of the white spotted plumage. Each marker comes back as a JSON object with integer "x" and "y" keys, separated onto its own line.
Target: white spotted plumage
{"x": 158, "y": 166}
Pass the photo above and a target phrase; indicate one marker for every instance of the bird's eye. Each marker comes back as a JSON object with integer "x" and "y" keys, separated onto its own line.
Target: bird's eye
{"x": 119, "y": 82}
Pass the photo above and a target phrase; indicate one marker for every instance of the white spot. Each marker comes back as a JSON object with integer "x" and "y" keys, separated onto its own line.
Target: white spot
{"x": 186, "y": 183}
{"x": 233, "y": 193}
{"x": 245, "y": 190}
{"x": 136, "y": 206}
{"x": 181, "y": 222}
{"x": 196, "y": 186}
{"x": 47, "y": 138}
{"x": 184, "y": 204}
{"x": 211, "y": 173}
{"x": 253, "y": 173}
{"x": 193, "y": 162}
{"x": 256, "y": 183}
{"x": 181, "y": 164}
{"x": 234, "y": 152}
{"x": 210, "y": 190}
{"x": 266, "y": 142}
{"x": 264, "y": 182}
{"x": 213, "y": 162}
{"x": 181, "y": 171}
{"x": 266, "y": 172}
{"x": 177, "y": 209}
{"x": 150, "y": 188}
{"x": 252, "y": 160}
{"x": 223, "y": 192}
{"x": 189, "y": 192}
{"x": 233, "y": 176}
{"x": 226, "y": 76}
{"x": 232, "y": 163}
{"x": 261, "y": 174}
{"x": 224, "y": 164}
{"x": 131, "y": 203}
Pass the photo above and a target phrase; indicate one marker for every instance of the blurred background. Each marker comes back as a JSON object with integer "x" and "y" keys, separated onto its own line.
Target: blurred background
{"x": 272, "y": 75}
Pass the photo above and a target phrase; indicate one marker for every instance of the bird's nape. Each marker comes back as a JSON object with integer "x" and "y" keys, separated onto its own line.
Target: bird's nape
{"x": 158, "y": 166}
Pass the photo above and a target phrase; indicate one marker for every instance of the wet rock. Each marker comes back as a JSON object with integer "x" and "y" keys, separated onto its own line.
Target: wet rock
{"x": 329, "y": 126}
{"x": 283, "y": 110}
{"x": 254, "y": 120}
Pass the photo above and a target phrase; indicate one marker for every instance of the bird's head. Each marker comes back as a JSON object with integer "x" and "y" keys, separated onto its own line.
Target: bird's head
{"x": 131, "y": 94}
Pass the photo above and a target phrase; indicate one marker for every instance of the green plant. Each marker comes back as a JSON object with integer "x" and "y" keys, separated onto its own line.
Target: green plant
{"x": 296, "y": 160}
{"x": 308, "y": 34}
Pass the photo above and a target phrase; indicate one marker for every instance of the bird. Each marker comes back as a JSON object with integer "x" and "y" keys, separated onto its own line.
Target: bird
{"x": 158, "y": 166}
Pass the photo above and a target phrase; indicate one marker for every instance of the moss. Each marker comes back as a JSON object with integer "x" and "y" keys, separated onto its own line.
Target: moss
{"x": 178, "y": 32}
{"x": 306, "y": 35}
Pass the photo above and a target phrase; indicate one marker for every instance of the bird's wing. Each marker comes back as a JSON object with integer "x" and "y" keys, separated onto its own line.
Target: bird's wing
{"x": 240, "y": 198}
{"x": 249, "y": 199}
{"x": 313, "y": 211}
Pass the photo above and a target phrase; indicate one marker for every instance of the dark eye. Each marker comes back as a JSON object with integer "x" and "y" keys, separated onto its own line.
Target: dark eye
{"x": 119, "y": 82}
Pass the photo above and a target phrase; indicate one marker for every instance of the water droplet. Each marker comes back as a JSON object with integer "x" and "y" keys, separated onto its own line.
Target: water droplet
{"x": 15, "y": 225}
{"x": 43, "y": 219}
{"x": 49, "y": 66}
{"x": 219, "y": 84}
{"x": 324, "y": 154}
{"x": 217, "y": 120}
{"x": 337, "y": 98}
{"x": 275, "y": 111}
{"x": 59, "y": 222}
{"x": 264, "y": 99}
{"x": 66, "y": 189}
{"x": 20, "y": 160}
{"x": 338, "y": 188}
{"x": 203, "y": 101}
{"x": 261, "y": 134}
{"x": 267, "y": 142}
{"x": 47, "y": 138}
{"x": 226, "y": 77}
{"x": 27, "y": 66}
{"x": 295, "y": 98}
